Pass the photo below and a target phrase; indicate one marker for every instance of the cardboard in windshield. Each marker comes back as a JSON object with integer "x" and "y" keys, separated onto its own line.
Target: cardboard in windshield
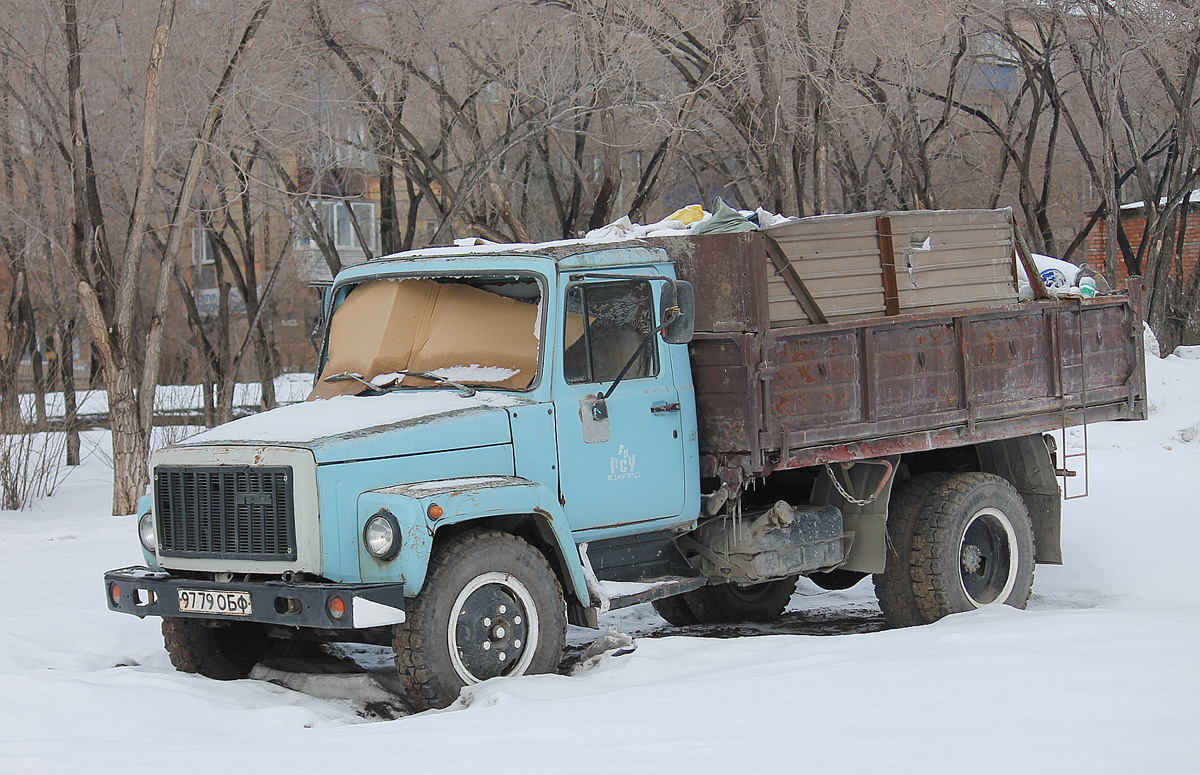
{"x": 386, "y": 326}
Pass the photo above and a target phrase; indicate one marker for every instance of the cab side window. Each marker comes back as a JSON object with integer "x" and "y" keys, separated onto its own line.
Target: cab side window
{"x": 605, "y": 325}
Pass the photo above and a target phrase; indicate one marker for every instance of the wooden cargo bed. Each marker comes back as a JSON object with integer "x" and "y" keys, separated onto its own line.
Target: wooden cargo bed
{"x": 771, "y": 397}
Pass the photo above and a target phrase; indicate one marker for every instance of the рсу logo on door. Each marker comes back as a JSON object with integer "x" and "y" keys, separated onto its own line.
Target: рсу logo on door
{"x": 622, "y": 464}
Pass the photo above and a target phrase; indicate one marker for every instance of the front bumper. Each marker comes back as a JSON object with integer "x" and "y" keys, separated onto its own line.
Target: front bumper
{"x": 144, "y": 592}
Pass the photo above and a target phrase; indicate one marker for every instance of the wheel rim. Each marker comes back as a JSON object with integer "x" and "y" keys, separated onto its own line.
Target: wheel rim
{"x": 987, "y": 558}
{"x": 493, "y": 628}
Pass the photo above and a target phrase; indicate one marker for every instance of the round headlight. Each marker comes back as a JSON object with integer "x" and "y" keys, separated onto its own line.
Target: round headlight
{"x": 146, "y": 532}
{"x": 381, "y": 536}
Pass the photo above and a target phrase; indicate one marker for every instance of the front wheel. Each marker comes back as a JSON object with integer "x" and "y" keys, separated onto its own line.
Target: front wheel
{"x": 491, "y": 606}
{"x": 226, "y": 651}
{"x": 971, "y": 545}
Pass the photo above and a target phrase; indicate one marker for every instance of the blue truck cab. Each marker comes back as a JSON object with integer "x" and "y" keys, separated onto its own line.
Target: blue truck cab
{"x": 349, "y": 515}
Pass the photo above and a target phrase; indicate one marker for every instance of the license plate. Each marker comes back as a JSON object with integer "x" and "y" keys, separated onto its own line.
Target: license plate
{"x": 203, "y": 601}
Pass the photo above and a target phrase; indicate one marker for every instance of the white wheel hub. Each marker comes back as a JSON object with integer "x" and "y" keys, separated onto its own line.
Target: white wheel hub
{"x": 493, "y": 628}
{"x": 988, "y": 558}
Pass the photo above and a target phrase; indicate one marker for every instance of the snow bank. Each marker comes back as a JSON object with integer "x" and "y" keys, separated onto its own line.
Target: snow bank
{"x": 289, "y": 388}
{"x": 1123, "y": 545}
{"x": 1036, "y": 692}
{"x": 1150, "y": 342}
{"x": 1099, "y": 676}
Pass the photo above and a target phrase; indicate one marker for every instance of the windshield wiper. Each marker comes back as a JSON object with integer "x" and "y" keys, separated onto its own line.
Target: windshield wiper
{"x": 467, "y": 391}
{"x": 349, "y": 376}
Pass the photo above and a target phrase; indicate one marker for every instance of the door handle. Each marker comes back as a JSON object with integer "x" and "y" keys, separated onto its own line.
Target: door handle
{"x": 664, "y": 408}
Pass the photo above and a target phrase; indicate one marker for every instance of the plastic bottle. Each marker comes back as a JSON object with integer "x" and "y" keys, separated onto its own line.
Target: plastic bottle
{"x": 1099, "y": 283}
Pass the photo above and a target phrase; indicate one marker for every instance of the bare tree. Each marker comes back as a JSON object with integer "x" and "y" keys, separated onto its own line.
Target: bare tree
{"x": 109, "y": 305}
{"x": 236, "y": 227}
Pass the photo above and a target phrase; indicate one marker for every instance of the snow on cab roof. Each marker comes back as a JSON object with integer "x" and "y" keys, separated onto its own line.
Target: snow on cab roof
{"x": 567, "y": 253}
{"x": 617, "y": 244}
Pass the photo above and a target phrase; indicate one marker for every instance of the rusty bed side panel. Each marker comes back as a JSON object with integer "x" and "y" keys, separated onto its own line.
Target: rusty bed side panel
{"x": 727, "y": 409}
{"x": 917, "y": 370}
{"x": 904, "y": 383}
{"x": 943, "y": 438}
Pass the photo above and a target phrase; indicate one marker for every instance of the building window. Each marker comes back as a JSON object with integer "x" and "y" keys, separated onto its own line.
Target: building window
{"x": 335, "y": 218}
{"x": 208, "y": 301}
{"x": 997, "y": 77}
{"x": 997, "y": 64}
{"x": 203, "y": 252}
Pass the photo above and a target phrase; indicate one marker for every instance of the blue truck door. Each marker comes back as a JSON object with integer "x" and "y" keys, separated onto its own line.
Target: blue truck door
{"x": 626, "y": 467}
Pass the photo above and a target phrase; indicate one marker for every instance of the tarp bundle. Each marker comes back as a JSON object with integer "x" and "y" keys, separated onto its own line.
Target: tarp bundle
{"x": 692, "y": 219}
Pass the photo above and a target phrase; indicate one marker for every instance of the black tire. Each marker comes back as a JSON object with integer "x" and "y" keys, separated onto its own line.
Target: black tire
{"x": 971, "y": 546}
{"x": 720, "y": 603}
{"x": 893, "y": 587}
{"x": 225, "y": 652}
{"x": 675, "y": 610}
{"x": 494, "y": 588}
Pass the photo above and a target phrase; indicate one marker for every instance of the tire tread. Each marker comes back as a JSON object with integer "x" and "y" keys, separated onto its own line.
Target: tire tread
{"x": 193, "y": 648}
{"x": 931, "y": 541}
{"x": 426, "y": 689}
{"x": 894, "y": 587}
{"x": 675, "y": 610}
{"x": 715, "y": 604}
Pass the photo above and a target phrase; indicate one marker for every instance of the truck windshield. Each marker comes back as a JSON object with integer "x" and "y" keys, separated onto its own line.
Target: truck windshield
{"x": 475, "y": 331}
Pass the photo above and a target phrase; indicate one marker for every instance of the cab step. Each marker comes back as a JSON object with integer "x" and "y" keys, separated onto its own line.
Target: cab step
{"x": 622, "y": 594}
{"x": 637, "y": 569}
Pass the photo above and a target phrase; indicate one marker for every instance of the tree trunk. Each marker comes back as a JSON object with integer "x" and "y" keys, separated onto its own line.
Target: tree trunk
{"x": 606, "y": 195}
{"x": 131, "y": 447}
{"x": 39, "y": 387}
{"x": 18, "y": 342}
{"x": 266, "y": 371}
{"x": 66, "y": 369}
{"x": 210, "y": 406}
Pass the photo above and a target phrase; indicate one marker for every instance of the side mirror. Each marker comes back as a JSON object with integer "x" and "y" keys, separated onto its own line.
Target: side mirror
{"x": 678, "y": 294}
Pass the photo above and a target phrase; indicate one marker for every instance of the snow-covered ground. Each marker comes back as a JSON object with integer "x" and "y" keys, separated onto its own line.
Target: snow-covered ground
{"x": 1100, "y": 675}
{"x": 174, "y": 398}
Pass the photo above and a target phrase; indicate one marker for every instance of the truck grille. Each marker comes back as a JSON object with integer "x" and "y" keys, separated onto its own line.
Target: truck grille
{"x": 225, "y": 511}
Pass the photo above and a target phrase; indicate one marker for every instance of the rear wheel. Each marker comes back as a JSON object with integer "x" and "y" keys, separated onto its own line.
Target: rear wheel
{"x": 675, "y": 610}
{"x": 226, "y": 651}
{"x": 491, "y": 606}
{"x": 741, "y": 602}
{"x": 971, "y": 545}
{"x": 894, "y": 587}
